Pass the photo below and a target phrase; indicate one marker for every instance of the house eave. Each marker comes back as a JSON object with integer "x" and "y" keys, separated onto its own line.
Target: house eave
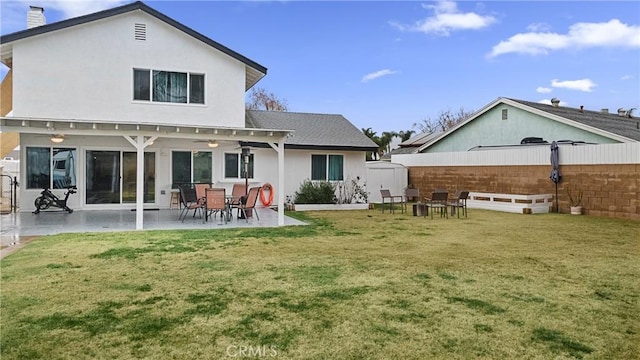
{"x": 314, "y": 147}
{"x": 112, "y": 128}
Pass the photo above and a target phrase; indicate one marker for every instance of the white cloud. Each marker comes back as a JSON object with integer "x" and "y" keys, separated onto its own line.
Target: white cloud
{"x": 548, "y": 102}
{"x": 626, "y": 77}
{"x": 539, "y": 27}
{"x": 610, "y": 34}
{"x": 446, "y": 19}
{"x": 73, "y": 8}
{"x": 14, "y": 13}
{"x": 543, "y": 90}
{"x": 582, "y": 85}
{"x": 377, "y": 74}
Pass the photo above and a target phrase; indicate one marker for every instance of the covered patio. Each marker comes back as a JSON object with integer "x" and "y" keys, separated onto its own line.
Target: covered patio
{"x": 80, "y": 134}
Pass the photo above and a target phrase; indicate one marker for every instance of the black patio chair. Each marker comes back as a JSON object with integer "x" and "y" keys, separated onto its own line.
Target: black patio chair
{"x": 459, "y": 203}
{"x": 190, "y": 201}
{"x": 386, "y": 194}
{"x": 413, "y": 194}
{"x": 438, "y": 202}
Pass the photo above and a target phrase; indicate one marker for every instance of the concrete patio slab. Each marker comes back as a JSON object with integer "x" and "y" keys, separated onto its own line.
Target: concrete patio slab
{"x": 18, "y": 228}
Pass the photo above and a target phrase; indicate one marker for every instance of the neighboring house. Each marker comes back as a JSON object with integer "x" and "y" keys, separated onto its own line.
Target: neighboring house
{"x": 126, "y": 103}
{"x": 506, "y": 122}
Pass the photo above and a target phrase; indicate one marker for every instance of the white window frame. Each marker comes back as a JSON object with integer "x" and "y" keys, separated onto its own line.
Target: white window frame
{"x": 188, "y": 73}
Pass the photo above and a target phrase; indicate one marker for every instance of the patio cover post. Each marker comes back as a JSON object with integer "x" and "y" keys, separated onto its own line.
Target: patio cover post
{"x": 280, "y": 150}
{"x": 140, "y": 144}
{"x": 140, "y": 183}
{"x": 281, "y": 182}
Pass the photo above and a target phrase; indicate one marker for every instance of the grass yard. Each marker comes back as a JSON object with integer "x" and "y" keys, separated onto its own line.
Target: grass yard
{"x": 352, "y": 285}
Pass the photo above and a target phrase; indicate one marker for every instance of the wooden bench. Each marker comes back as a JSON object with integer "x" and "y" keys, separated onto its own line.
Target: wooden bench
{"x": 515, "y": 203}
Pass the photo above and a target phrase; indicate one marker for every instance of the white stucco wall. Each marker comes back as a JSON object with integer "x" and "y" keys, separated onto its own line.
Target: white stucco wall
{"x": 490, "y": 129}
{"x": 86, "y": 72}
{"x": 297, "y": 166}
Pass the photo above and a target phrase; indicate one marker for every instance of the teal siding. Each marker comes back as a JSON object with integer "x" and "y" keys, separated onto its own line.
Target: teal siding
{"x": 490, "y": 129}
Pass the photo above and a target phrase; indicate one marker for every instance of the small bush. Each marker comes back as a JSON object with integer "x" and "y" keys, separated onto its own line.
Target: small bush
{"x": 319, "y": 192}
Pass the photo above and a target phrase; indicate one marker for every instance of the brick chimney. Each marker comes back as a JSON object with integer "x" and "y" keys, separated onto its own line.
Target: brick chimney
{"x": 35, "y": 17}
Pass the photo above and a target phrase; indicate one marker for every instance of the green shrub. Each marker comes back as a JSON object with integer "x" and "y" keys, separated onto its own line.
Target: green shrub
{"x": 318, "y": 192}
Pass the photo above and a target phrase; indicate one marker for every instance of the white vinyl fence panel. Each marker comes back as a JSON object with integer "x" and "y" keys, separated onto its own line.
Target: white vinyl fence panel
{"x": 626, "y": 153}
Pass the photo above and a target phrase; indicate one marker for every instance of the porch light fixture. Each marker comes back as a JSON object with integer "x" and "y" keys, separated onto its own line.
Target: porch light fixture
{"x": 212, "y": 144}
{"x": 57, "y": 139}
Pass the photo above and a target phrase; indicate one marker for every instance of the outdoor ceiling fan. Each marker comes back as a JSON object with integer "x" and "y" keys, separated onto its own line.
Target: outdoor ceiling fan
{"x": 55, "y": 138}
{"x": 210, "y": 143}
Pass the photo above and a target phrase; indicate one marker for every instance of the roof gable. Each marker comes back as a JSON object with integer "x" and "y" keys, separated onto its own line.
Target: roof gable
{"x": 254, "y": 71}
{"x": 607, "y": 125}
{"x": 612, "y": 123}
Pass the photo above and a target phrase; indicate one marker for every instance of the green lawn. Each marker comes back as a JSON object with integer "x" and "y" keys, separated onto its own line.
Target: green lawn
{"x": 352, "y": 285}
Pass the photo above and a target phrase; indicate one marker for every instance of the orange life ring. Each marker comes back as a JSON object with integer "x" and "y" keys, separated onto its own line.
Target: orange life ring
{"x": 266, "y": 202}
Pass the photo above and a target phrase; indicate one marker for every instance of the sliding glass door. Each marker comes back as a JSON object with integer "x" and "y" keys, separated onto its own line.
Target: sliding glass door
{"x": 129, "y": 173}
{"x": 111, "y": 177}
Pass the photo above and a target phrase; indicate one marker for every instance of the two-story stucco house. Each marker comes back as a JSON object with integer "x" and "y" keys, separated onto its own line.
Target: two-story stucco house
{"x": 126, "y": 103}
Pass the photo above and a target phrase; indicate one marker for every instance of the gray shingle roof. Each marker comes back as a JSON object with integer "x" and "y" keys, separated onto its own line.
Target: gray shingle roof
{"x": 326, "y": 131}
{"x": 613, "y": 123}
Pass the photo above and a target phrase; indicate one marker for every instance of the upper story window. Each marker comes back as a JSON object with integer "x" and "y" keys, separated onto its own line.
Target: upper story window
{"x": 168, "y": 86}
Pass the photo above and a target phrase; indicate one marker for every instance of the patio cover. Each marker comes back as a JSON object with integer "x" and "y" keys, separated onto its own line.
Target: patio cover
{"x": 142, "y": 135}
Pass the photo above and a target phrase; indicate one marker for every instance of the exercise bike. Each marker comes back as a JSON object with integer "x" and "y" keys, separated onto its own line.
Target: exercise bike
{"x": 48, "y": 199}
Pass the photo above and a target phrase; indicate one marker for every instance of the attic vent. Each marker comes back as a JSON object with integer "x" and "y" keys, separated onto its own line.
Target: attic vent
{"x": 140, "y": 32}
{"x": 505, "y": 114}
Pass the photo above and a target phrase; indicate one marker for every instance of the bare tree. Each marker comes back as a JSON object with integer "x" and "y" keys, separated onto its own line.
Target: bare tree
{"x": 260, "y": 99}
{"x": 445, "y": 121}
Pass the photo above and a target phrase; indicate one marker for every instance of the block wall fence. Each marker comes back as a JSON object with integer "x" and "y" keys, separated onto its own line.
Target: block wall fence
{"x": 608, "y": 190}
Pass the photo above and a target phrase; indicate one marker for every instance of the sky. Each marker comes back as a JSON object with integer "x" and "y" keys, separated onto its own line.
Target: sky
{"x": 387, "y": 65}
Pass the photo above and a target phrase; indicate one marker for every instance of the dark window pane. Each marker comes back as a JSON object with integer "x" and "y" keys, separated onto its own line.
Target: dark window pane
{"x": 64, "y": 168}
{"x": 202, "y": 167}
{"x": 180, "y": 168}
{"x": 141, "y": 81}
{"x": 336, "y": 167}
{"x": 196, "y": 89}
{"x": 318, "y": 167}
{"x": 169, "y": 87}
{"x": 231, "y": 165}
{"x": 149, "y": 177}
{"x": 38, "y": 167}
{"x": 103, "y": 177}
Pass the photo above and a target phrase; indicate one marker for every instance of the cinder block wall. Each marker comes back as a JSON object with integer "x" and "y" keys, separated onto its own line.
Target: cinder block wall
{"x": 608, "y": 190}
